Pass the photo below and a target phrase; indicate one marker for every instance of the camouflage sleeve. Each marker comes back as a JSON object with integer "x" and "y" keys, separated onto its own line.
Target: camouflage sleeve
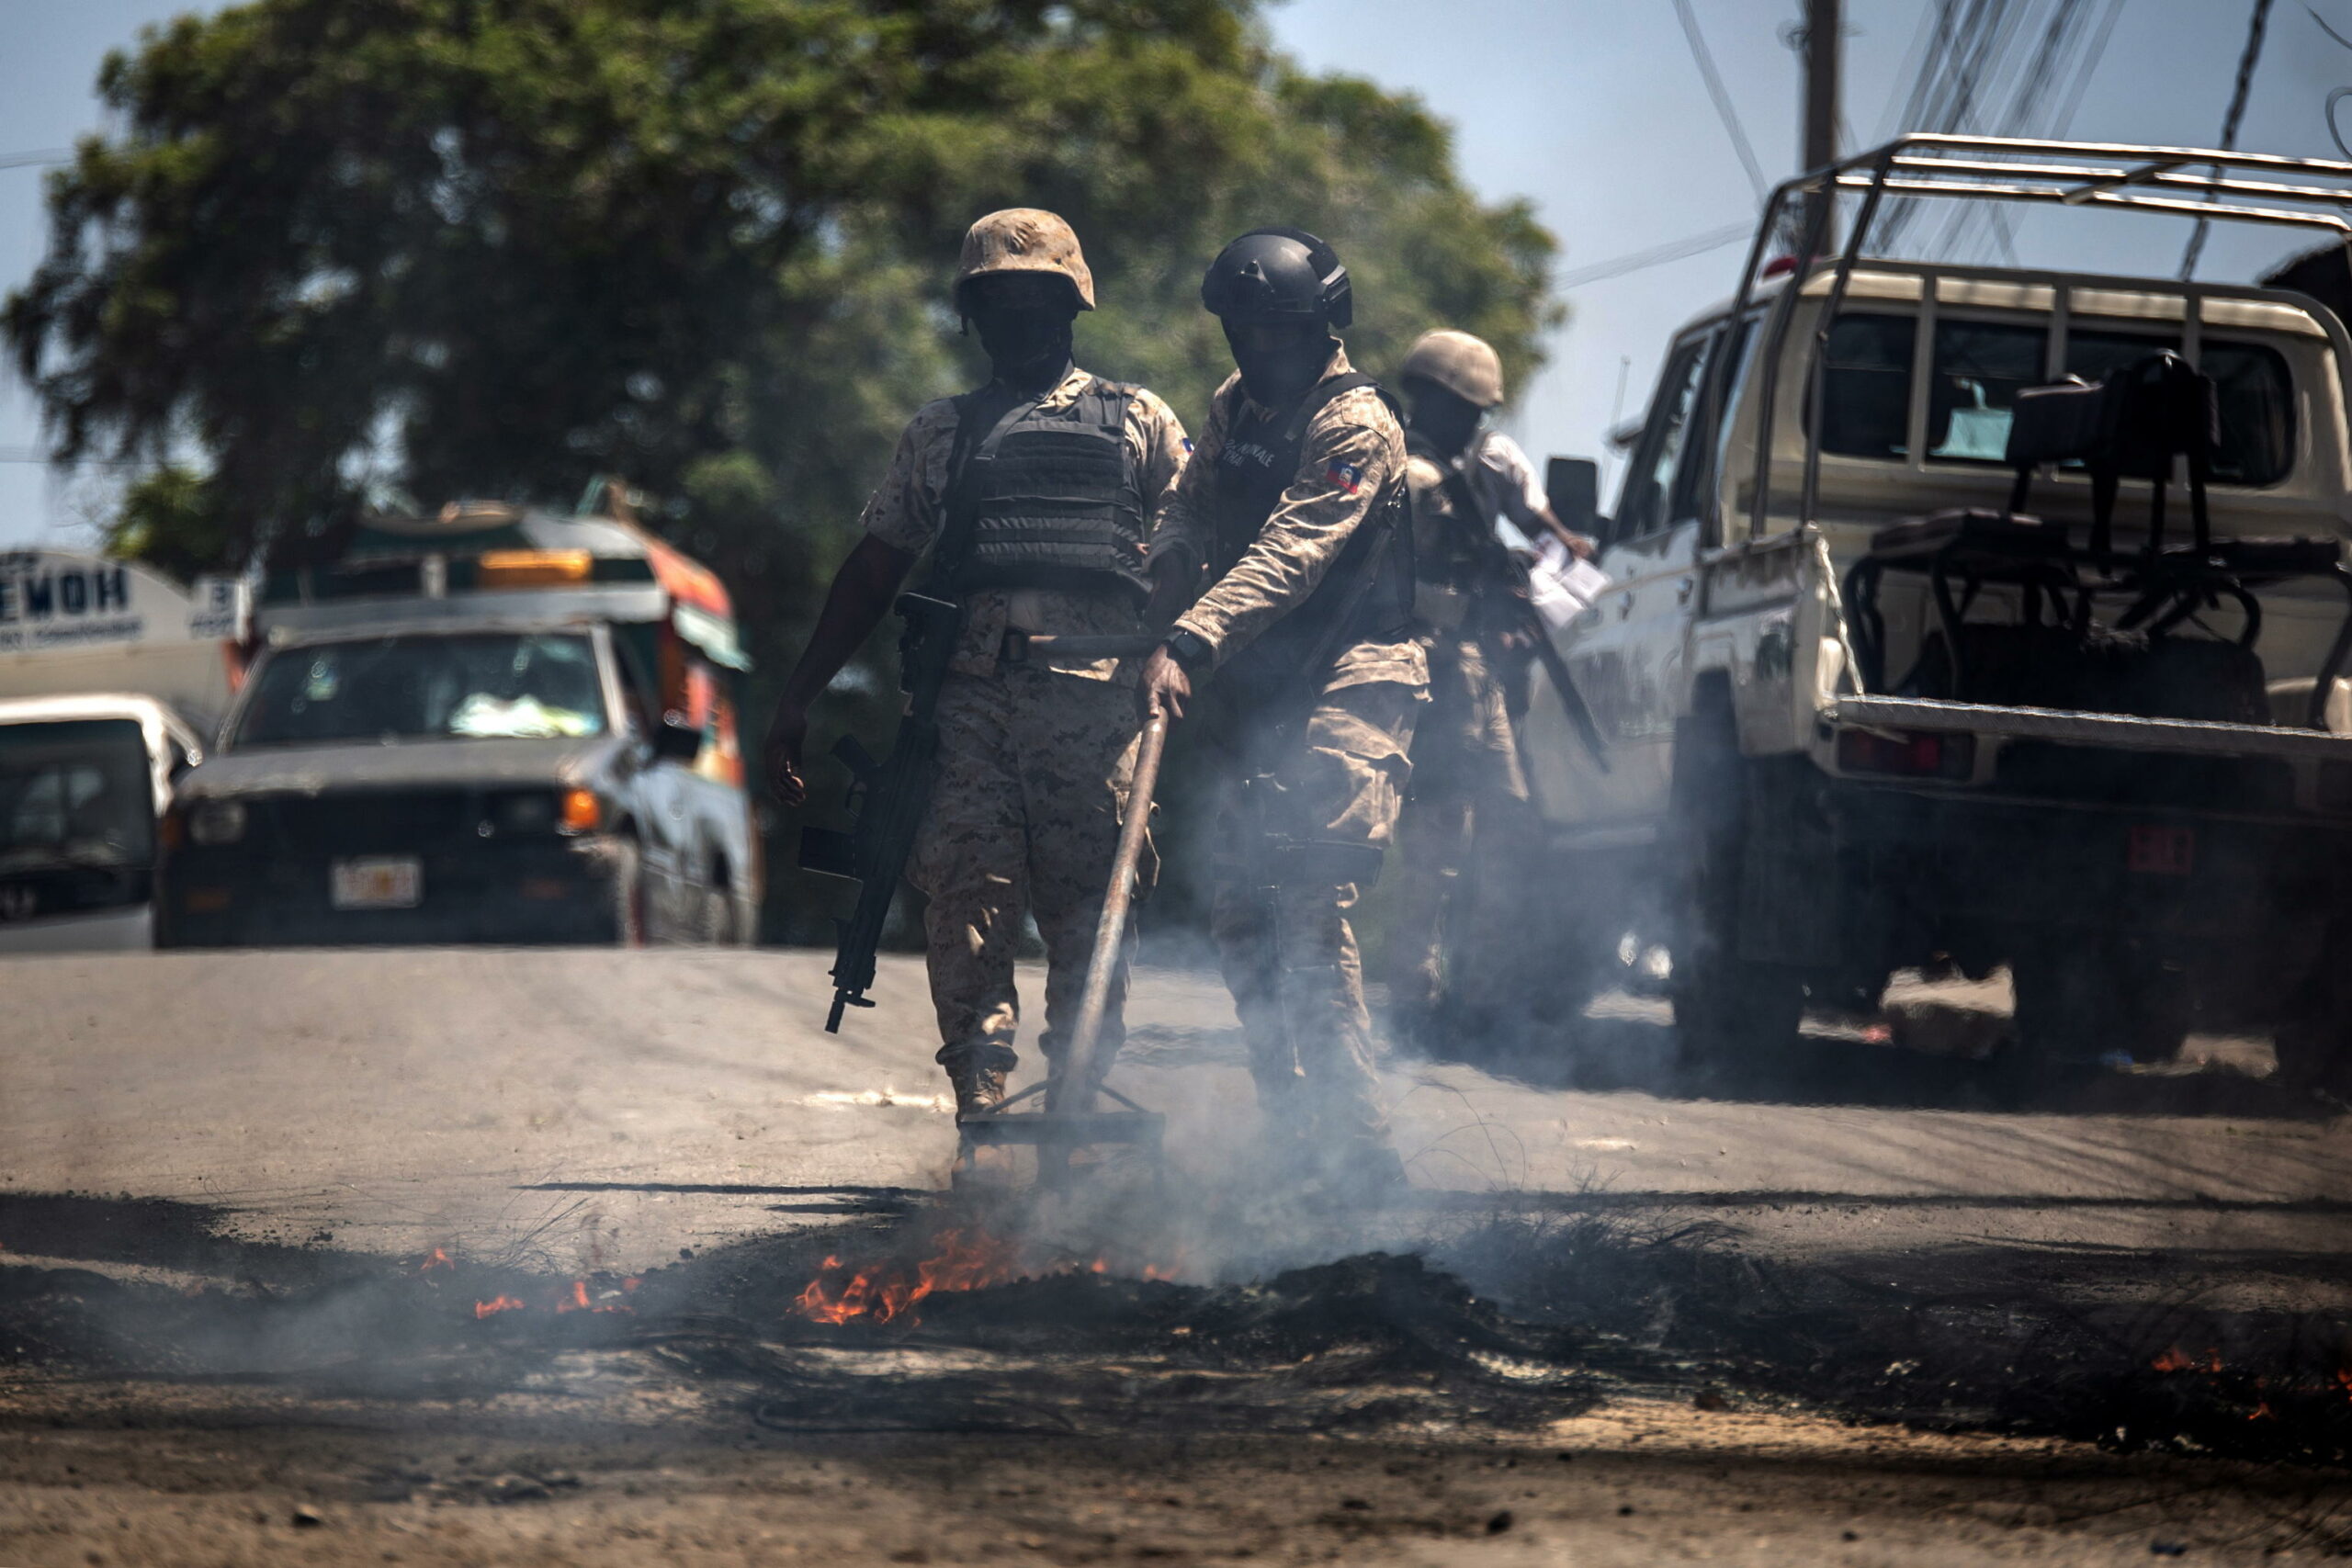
{"x": 1158, "y": 435}
{"x": 1185, "y": 518}
{"x": 903, "y": 511}
{"x": 1352, "y": 451}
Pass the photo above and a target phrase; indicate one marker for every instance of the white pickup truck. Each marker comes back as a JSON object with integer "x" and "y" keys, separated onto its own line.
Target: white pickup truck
{"x": 1885, "y": 685}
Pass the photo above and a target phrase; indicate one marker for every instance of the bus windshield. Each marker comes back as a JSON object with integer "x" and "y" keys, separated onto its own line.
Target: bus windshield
{"x": 473, "y": 685}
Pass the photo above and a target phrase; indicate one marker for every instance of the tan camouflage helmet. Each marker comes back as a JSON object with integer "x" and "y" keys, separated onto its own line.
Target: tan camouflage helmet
{"x": 1023, "y": 239}
{"x": 1466, "y": 365}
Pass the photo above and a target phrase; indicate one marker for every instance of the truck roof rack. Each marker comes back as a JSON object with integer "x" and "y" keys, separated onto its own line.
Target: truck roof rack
{"x": 2180, "y": 182}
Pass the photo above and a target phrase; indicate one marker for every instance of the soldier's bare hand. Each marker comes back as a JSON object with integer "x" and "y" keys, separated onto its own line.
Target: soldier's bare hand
{"x": 1165, "y": 688}
{"x": 787, "y": 733}
{"x": 1581, "y": 546}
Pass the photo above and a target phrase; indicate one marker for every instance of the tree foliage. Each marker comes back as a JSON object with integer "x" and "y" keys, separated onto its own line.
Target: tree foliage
{"x": 343, "y": 248}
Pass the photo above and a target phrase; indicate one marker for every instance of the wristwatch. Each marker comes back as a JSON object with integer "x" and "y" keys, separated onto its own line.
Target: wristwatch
{"x": 1190, "y": 651}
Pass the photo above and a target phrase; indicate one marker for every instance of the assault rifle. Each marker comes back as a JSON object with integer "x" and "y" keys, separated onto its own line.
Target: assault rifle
{"x": 885, "y": 800}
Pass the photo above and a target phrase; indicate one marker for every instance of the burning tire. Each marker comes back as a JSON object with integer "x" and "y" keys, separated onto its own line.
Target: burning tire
{"x": 1733, "y": 1013}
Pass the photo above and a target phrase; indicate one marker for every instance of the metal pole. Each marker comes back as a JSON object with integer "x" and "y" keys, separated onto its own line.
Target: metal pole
{"x": 1825, "y": 24}
{"x": 1077, "y": 1076}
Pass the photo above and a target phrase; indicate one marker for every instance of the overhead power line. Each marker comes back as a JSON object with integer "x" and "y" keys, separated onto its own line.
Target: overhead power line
{"x": 1723, "y": 109}
{"x": 40, "y": 157}
{"x": 1656, "y": 256}
{"x": 2252, "y": 56}
{"x": 2013, "y": 68}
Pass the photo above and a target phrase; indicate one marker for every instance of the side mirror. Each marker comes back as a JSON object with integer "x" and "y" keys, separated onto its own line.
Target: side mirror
{"x": 1573, "y": 487}
{"x": 675, "y": 740}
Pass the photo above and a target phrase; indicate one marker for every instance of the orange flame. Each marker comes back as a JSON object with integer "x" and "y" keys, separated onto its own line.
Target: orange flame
{"x": 499, "y": 1304}
{"x": 2178, "y": 1360}
{"x": 439, "y": 1259}
{"x": 968, "y": 1260}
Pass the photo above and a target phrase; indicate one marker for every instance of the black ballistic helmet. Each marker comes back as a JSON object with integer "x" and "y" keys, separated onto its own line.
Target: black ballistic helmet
{"x": 1278, "y": 275}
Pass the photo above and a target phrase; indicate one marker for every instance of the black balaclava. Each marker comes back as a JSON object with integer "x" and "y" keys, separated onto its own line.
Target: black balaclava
{"x": 1445, "y": 418}
{"x": 1024, "y": 322}
{"x": 1279, "y": 363}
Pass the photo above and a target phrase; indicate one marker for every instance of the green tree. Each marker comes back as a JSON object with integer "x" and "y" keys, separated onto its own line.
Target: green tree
{"x": 495, "y": 246}
{"x": 346, "y": 250}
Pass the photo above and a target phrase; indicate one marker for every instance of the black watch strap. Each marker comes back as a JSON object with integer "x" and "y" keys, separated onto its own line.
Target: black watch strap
{"x": 1190, "y": 651}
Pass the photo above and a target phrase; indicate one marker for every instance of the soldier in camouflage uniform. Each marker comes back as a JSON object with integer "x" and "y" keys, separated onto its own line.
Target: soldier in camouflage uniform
{"x": 1034, "y": 754}
{"x": 1294, "y": 506}
{"x": 1470, "y": 810}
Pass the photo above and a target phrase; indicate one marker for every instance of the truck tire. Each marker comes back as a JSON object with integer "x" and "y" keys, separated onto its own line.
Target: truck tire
{"x": 627, "y": 891}
{"x": 714, "y": 924}
{"x": 2313, "y": 1038}
{"x": 1736, "y": 1018}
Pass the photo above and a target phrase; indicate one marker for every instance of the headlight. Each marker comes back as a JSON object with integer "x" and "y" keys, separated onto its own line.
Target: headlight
{"x": 217, "y": 822}
{"x": 533, "y": 813}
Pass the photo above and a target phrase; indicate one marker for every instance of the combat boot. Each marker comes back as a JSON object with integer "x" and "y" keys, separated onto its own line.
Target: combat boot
{"x": 979, "y": 1089}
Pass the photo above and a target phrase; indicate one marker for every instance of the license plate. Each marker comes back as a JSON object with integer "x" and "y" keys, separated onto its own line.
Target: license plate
{"x": 2161, "y": 851}
{"x": 384, "y": 882}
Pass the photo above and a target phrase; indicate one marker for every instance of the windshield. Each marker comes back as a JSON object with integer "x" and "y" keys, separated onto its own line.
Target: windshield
{"x": 475, "y": 685}
{"x": 76, "y": 793}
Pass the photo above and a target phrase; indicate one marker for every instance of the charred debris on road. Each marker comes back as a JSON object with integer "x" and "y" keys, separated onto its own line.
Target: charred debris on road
{"x": 1502, "y": 1320}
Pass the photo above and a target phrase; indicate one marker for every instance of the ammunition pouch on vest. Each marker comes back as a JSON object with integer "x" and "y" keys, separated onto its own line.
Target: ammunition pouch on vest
{"x": 1367, "y": 595}
{"x": 1060, "y": 501}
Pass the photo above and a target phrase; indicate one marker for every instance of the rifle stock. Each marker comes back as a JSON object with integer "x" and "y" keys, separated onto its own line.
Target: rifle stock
{"x": 886, "y": 800}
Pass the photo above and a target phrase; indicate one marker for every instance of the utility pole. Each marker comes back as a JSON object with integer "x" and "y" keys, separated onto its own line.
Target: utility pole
{"x": 1825, "y": 27}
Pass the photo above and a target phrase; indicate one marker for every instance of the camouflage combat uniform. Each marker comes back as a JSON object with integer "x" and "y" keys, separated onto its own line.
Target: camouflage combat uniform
{"x": 1469, "y": 793}
{"x": 1287, "y": 950}
{"x": 1035, "y": 759}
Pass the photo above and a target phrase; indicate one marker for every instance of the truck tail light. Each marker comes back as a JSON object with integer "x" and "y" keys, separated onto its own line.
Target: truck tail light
{"x": 1906, "y": 756}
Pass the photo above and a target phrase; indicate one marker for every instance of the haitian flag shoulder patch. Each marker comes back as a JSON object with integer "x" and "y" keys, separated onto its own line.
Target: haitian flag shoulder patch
{"x": 1348, "y": 477}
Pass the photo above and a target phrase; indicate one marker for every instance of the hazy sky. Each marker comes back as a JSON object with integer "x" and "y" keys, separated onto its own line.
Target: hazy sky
{"x": 1592, "y": 108}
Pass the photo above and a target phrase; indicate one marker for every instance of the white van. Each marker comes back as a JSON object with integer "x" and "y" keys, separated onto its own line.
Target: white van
{"x": 111, "y": 679}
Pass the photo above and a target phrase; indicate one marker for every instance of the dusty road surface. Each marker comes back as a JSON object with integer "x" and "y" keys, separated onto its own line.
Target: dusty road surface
{"x": 591, "y": 1257}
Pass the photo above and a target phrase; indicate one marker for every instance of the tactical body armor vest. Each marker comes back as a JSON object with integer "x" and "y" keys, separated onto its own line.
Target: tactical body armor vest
{"x": 1458, "y": 561}
{"x": 1367, "y": 595}
{"x": 1059, "y": 502}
